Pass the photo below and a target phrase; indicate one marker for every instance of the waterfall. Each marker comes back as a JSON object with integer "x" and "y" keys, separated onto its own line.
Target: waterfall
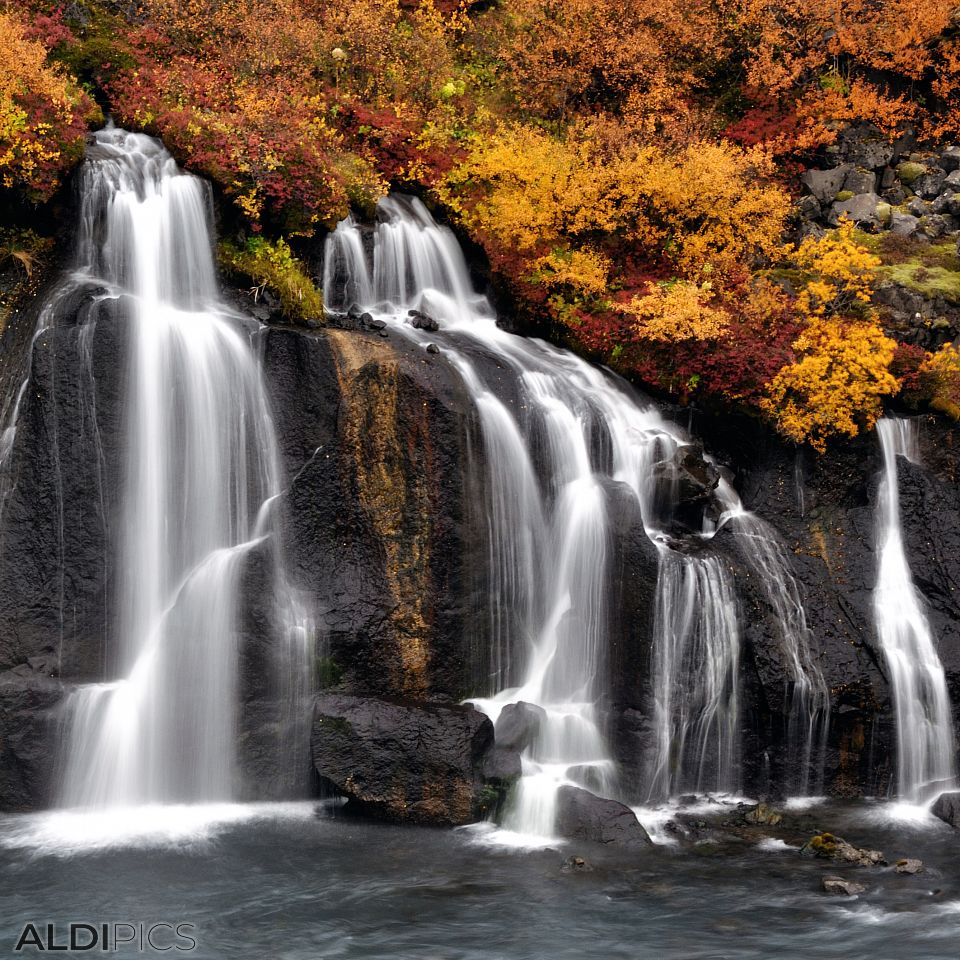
{"x": 200, "y": 482}
{"x": 552, "y": 456}
{"x": 925, "y": 741}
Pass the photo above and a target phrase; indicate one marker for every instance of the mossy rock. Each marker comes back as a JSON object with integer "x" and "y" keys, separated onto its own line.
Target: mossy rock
{"x": 910, "y": 171}
{"x": 844, "y": 195}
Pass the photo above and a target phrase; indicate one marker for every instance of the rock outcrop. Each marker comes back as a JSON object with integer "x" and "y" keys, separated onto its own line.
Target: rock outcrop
{"x": 402, "y": 761}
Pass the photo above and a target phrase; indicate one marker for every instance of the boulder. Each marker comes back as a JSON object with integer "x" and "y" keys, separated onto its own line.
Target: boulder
{"x": 950, "y": 159}
{"x": 518, "y": 725}
{"x": 420, "y": 321}
{"x": 829, "y": 847}
{"x": 942, "y": 204}
{"x": 935, "y": 226}
{"x": 809, "y": 208}
{"x": 904, "y": 224}
{"x": 585, "y": 817}
{"x": 952, "y": 180}
{"x": 841, "y": 887}
{"x": 575, "y": 865}
{"x": 402, "y": 761}
{"x": 929, "y": 184}
{"x": 861, "y": 209}
{"x": 866, "y": 146}
{"x": 895, "y": 195}
{"x": 909, "y": 866}
{"x": 826, "y": 184}
{"x": 859, "y": 180}
{"x": 910, "y": 171}
{"x": 502, "y": 767}
{"x": 947, "y": 808}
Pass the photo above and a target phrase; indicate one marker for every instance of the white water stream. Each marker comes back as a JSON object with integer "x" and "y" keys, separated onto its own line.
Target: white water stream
{"x": 925, "y": 741}
{"x": 200, "y": 477}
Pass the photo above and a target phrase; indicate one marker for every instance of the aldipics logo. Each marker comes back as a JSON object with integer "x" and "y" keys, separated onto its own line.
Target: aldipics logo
{"x": 107, "y": 937}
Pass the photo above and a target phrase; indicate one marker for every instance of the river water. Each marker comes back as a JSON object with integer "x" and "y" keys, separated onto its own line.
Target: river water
{"x": 288, "y": 883}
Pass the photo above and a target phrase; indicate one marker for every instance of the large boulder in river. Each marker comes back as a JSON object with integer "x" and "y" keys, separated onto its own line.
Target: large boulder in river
{"x": 583, "y": 816}
{"x": 402, "y": 761}
{"x": 947, "y": 808}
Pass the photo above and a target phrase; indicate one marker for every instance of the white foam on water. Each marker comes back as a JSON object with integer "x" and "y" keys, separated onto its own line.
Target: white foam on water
{"x": 799, "y": 804}
{"x": 775, "y": 845}
{"x": 489, "y": 835}
{"x": 69, "y": 832}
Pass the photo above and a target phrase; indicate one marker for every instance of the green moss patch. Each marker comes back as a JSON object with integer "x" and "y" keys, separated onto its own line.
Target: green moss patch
{"x": 272, "y": 265}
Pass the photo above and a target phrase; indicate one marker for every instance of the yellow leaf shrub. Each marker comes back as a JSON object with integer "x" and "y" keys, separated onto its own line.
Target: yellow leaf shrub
{"x": 584, "y": 271}
{"x": 710, "y": 204}
{"x": 678, "y": 311}
{"x": 836, "y": 384}
{"x": 940, "y": 377}
{"x": 706, "y": 211}
{"x": 842, "y": 272}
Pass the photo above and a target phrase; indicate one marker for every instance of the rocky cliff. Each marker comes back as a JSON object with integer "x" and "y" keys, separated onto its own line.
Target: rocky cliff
{"x": 380, "y": 449}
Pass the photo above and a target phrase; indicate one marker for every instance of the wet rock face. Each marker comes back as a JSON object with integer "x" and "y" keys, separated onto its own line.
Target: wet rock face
{"x": 64, "y": 476}
{"x": 383, "y": 530}
{"x": 824, "y": 508}
{"x": 402, "y": 761}
{"x": 30, "y": 712}
{"x": 374, "y": 434}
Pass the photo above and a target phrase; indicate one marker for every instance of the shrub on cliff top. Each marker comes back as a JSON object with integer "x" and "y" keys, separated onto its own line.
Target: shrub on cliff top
{"x": 272, "y": 265}
{"x": 43, "y": 115}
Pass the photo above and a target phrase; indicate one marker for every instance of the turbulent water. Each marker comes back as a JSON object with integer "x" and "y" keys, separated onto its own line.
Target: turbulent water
{"x": 552, "y": 458}
{"x": 925, "y": 742}
{"x": 200, "y": 476}
{"x": 283, "y": 883}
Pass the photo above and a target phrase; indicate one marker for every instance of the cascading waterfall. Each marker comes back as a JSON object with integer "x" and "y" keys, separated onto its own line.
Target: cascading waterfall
{"x": 201, "y": 478}
{"x": 925, "y": 741}
{"x": 550, "y": 458}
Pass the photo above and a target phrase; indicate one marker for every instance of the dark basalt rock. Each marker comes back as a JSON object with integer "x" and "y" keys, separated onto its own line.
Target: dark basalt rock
{"x": 947, "y": 808}
{"x": 402, "y": 761}
{"x": 30, "y": 715}
{"x": 518, "y": 725}
{"x": 63, "y": 490}
{"x": 587, "y": 818}
{"x": 420, "y": 321}
{"x": 502, "y": 767}
{"x": 374, "y": 440}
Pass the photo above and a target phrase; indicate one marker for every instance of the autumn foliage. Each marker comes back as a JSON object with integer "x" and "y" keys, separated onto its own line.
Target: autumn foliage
{"x": 43, "y": 114}
{"x": 624, "y": 166}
